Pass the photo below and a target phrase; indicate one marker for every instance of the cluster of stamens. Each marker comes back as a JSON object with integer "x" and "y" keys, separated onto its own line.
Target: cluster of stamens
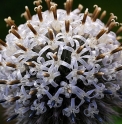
{"x": 61, "y": 61}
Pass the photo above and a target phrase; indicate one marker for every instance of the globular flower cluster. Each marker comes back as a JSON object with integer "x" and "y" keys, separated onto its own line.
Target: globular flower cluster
{"x": 61, "y": 66}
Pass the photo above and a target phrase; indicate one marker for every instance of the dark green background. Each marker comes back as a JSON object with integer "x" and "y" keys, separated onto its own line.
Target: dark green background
{"x": 14, "y": 8}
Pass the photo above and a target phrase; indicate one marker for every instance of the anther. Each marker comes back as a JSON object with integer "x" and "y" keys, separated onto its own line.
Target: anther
{"x": 48, "y": 4}
{"x": 53, "y": 103}
{"x": 10, "y": 22}
{"x": 21, "y": 47}
{"x": 103, "y": 15}
{"x": 50, "y": 33}
{"x": 32, "y": 114}
{"x": 10, "y": 65}
{"x": 67, "y": 25}
{"x": 119, "y": 30}
{"x": 68, "y": 6}
{"x": 98, "y": 74}
{"x": 101, "y": 56}
{"x": 72, "y": 116}
{"x": 0, "y": 64}
{"x": 80, "y": 7}
{"x": 96, "y": 14}
{"x": 12, "y": 117}
{"x": 95, "y": 10}
{"x": 2, "y": 100}
{"x": 3, "y": 43}
{"x": 31, "y": 28}
{"x": 112, "y": 25}
{"x": 98, "y": 117}
{"x": 100, "y": 33}
{"x": 46, "y": 74}
{"x": 79, "y": 49}
{"x": 54, "y": 10}
{"x": 116, "y": 50}
{"x": 14, "y": 32}
{"x": 119, "y": 37}
{"x": 69, "y": 90}
{"x": 107, "y": 92}
{"x": 30, "y": 64}
{"x": 87, "y": 100}
{"x": 14, "y": 99}
{"x": 80, "y": 72}
{"x": 112, "y": 16}
{"x": 39, "y": 12}
{"x": 118, "y": 68}
{"x": 55, "y": 57}
{"x": 85, "y": 16}
{"x": 28, "y": 12}
{"x": 14, "y": 82}
{"x": 3, "y": 81}
{"x": 33, "y": 92}
{"x": 37, "y": 2}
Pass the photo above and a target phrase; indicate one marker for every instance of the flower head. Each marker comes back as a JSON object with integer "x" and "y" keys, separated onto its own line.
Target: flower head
{"x": 61, "y": 66}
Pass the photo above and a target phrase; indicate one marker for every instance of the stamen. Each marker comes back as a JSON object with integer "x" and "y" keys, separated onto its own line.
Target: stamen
{"x": 87, "y": 100}
{"x": 119, "y": 37}
{"x": 119, "y": 30}
{"x": 14, "y": 32}
{"x": 107, "y": 92}
{"x": 33, "y": 92}
{"x": 3, "y": 81}
{"x": 103, "y": 15}
{"x": 21, "y": 47}
{"x": 101, "y": 56}
{"x": 98, "y": 117}
{"x": 12, "y": 117}
{"x": 69, "y": 90}
{"x": 14, "y": 98}
{"x": 100, "y": 33}
{"x": 10, "y": 22}
{"x": 50, "y": 33}
{"x": 54, "y": 10}
{"x": 116, "y": 50}
{"x": 48, "y": 4}
{"x": 37, "y": 2}
{"x": 96, "y": 14}
{"x": 68, "y": 6}
{"x": 112, "y": 25}
{"x": 85, "y": 16}
{"x": 98, "y": 74}
{"x": 95, "y": 10}
{"x": 79, "y": 49}
{"x": 30, "y": 64}
{"x": 53, "y": 103}
{"x": 46, "y": 74}
{"x": 39, "y": 12}
{"x": 28, "y": 12}
{"x": 25, "y": 15}
{"x": 112, "y": 16}
{"x": 67, "y": 25}
{"x": 3, "y": 43}
{"x": 72, "y": 116}
{"x": 31, "y": 28}
{"x": 10, "y": 65}
{"x": 2, "y": 100}
{"x": 0, "y": 64}
{"x": 14, "y": 82}
{"x": 118, "y": 68}
{"x": 80, "y": 7}
{"x": 55, "y": 57}
{"x": 80, "y": 72}
{"x": 32, "y": 113}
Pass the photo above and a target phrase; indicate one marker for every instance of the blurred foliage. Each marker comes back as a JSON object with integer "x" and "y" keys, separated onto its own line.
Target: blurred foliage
{"x": 14, "y": 8}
